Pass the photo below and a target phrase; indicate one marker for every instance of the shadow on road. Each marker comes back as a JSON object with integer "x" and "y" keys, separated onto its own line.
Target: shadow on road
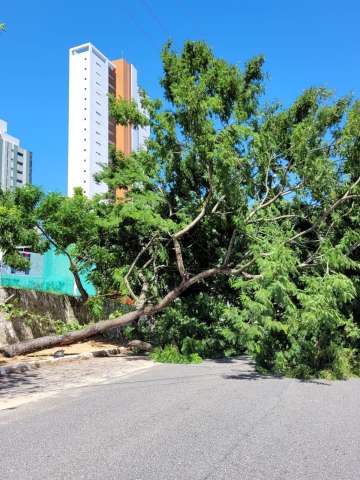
{"x": 248, "y": 376}
{"x": 18, "y": 379}
{"x": 257, "y": 376}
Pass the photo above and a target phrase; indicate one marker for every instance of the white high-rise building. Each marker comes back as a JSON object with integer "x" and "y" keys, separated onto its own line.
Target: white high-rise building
{"x": 92, "y": 77}
{"x": 15, "y": 161}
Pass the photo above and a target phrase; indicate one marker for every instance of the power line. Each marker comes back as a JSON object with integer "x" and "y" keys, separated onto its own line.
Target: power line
{"x": 139, "y": 27}
{"x": 155, "y": 17}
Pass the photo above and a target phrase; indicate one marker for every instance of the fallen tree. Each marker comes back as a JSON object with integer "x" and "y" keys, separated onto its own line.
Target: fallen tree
{"x": 266, "y": 197}
{"x": 100, "y": 327}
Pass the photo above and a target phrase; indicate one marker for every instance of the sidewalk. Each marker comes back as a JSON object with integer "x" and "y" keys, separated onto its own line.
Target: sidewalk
{"x": 18, "y": 388}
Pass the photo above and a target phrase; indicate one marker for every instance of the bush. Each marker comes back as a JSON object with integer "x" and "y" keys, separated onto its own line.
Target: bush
{"x": 61, "y": 328}
{"x": 171, "y": 354}
{"x": 299, "y": 326}
{"x": 196, "y": 324}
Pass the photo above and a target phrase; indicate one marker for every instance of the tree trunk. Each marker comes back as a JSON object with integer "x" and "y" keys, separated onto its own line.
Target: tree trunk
{"x": 72, "y": 337}
{"x": 100, "y": 327}
{"x": 83, "y": 293}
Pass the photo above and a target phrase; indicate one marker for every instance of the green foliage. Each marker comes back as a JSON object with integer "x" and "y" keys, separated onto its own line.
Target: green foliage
{"x": 199, "y": 324}
{"x": 96, "y": 308}
{"x": 61, "y": 328}
{"x": 12, "y": 311}
{"x": 29, "y": 217}
{"x": 171, "y": 354}
{"x": 17, "y": 221}
{"x": 40, "y": 324}
{"x": 299, "y": 325}
{"x": 127, "y": 112}
{"x": 262, "y": 199}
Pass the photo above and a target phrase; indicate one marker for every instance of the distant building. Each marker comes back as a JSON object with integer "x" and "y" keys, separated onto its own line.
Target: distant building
{"x": 92, "y": 77}
{"x": 15, "y": 161}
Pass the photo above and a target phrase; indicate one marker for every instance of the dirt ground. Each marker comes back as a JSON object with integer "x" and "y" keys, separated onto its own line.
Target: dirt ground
{"x": 88, "y": 346}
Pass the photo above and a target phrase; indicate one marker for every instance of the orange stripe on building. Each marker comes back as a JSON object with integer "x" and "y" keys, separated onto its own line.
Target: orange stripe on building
{"x": 123, "y": 90}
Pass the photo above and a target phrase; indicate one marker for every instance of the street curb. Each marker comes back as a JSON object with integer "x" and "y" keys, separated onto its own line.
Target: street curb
{"x": 25, "y": 366}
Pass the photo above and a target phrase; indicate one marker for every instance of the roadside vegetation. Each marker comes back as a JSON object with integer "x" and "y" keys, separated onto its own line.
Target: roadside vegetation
{"x": 238, "y": 229}
{"x": 171, "y": 354}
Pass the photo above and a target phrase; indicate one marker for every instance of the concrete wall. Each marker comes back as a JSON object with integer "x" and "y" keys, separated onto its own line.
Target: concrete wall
{"x": 45, "y": 309}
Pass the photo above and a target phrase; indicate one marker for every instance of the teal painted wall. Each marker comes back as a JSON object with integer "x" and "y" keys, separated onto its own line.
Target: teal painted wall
{"x": 48, "y": 273}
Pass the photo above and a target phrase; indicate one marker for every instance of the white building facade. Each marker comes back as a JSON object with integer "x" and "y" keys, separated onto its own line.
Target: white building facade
{"x": 88, "y": 117}
{"x": 92, "y": 77}
{"x": 15, "y": 161}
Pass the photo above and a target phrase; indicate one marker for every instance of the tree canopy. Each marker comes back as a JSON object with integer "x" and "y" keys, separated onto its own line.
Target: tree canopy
{"x": 249, "y": 211}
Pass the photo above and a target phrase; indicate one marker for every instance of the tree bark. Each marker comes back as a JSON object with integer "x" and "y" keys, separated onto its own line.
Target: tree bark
{"x": 68, "y": 338}
{"x": 83, "y": 293}
{"x": 100, "y": 327}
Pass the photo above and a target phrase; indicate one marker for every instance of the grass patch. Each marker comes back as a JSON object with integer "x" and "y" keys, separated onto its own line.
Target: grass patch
{"x": 171, "y": 354}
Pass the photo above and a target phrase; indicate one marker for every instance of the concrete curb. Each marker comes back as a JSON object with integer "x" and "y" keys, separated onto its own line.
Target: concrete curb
{"x": 32, "y": 365}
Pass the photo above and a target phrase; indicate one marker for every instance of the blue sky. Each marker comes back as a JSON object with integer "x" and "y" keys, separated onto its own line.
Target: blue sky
{"x": 307, "y": 42}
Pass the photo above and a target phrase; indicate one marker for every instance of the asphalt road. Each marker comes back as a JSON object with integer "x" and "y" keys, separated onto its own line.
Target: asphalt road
{"x": 199, "y": 422}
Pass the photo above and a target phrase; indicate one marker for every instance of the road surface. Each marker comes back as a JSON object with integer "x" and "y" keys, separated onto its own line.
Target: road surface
{"x": 212, "y": 421}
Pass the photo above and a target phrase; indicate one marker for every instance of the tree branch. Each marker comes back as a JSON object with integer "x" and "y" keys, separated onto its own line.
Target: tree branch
{"x": 327, "y": 212}
{"x": 230, "y": 248}
{"x": 273, "y": 219}
{"x": 179, "y": 257}
{"x": 281, "y": 193}
{"x": 132, "y": 266}
{"x": 73, "y": 266}
{"x": 196, "y": 220}
{"x": 216, "y": 206}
